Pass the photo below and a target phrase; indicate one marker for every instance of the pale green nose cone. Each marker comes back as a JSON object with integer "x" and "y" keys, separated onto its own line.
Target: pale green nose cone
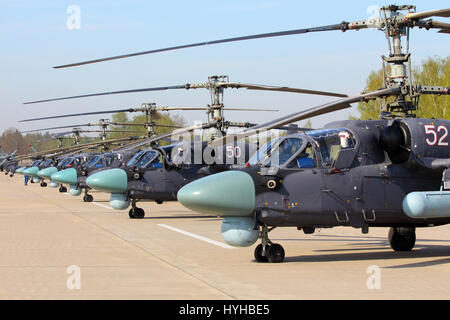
{"x": 67, "y": 176}
{"x": 47, "y": 172}
{"x": 112, "y": 180}
{"x": 31, "y": 171}
{"x": 229, "y": 194}
{"x": 19, "y": 170}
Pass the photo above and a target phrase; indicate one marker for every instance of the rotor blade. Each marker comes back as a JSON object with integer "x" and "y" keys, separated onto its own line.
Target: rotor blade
{"x": 445, "y": 27}
{"x": 306, "y": 114}
{"x": 427, "y": 14}
{"x": 62, "y": 127}
{"x": 80, "y": 114}
{"x": 72, "y": 148}
{"x": 199, "y": 44}
{"x": 282, "y": 89}
{"x": 184, "y": 86}
{"x": 169, "y": 134}
{"x": 167, "y": 126}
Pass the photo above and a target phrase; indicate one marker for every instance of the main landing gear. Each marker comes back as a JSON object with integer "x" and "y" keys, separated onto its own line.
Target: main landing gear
{"x": 135, "y": 212}
{"x": 268, "y": 251}
{"x": 402, "y": 238}
{"x": 87, "y": 197}
{"x": 62, "y": 188}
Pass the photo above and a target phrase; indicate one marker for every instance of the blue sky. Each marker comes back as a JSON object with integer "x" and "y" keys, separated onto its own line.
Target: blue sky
{"x": 34, "y": 38}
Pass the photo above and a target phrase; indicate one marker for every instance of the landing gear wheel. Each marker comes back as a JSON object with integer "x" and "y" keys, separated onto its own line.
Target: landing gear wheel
{"x": 136, "y": 213}
{"x": 258, "y": 253}
{"x": 275, "y": 253}
{"x": 62, "y": 189}
{"x": 402, "y": 239}
{"x": 88, "y": 198}
{"x": 43, "y": 184}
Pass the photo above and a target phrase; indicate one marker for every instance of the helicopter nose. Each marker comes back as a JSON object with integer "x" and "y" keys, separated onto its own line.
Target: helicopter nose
{"x": 112, "y": 180}
{"x": 32, "y": 171}
{"x": 19, "y": 170}
{"x": 230, "y": 193}
{"x": 67, "y": 176}
{"x": 47, "y": 172}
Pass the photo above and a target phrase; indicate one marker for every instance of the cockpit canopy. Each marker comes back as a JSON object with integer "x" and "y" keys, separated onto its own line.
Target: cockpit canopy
{"x": 306, "y": 150}
{"x": 145, "y": 159}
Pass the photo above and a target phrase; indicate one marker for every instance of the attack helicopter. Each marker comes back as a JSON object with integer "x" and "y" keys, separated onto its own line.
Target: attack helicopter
{"x": 44, "y": 169}
{"x": 7, "y": 163}
{"x": 75, "y": 175}
{"x": 157, "y": 174}
{"x": 392, "y": 172}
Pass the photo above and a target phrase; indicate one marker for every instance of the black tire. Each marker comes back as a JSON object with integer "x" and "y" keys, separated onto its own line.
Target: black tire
{"x": 88, "y": 198}
{"x": 275, "y": 253}
{"x": 131, "y": 214}
{"x": 139, "y": 213}
{"x": 401, "y": 242}
{"x": 258, "y": 254}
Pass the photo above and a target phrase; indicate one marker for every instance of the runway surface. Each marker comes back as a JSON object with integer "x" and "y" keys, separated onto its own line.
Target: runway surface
{"x": 175, "y": 253}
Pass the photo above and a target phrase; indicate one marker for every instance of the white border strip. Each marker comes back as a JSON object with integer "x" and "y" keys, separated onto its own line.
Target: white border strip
{"x": 102, "y": 205}
{"x": 217, "y": 243}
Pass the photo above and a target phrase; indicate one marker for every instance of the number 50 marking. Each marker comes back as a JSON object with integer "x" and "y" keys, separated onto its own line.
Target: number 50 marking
{"x": 429, "y": 129}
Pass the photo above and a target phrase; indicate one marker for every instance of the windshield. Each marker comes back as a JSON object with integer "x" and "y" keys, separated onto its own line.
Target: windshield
{"x": 135, "y": 157}
{"x": 278, "y": 152}
{"x": 47, "y": 162}
{"x": 64, "y": 162}
{"x": 146, "y": 159}
{"x": 261, "y": 153}
{"x": 93, "y": 161}
{"x": 108, "y": 160}
{"x": 330, "y": 141}
{"x": 35, "y": 163}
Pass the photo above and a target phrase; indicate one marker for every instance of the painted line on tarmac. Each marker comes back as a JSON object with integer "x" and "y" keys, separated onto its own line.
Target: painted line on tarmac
{"x": 189, "y": 234}
{"x": 102, "y": 205}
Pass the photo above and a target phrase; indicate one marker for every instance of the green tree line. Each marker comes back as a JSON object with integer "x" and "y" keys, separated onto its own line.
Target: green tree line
{"x": 12, "y": 139}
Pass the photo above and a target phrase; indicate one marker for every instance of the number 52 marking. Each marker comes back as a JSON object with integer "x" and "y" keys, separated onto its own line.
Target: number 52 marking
{"x": 429, "y": 129}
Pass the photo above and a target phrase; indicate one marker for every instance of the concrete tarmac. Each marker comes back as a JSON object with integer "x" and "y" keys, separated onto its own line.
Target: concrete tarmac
{"x": 48, "y": 239}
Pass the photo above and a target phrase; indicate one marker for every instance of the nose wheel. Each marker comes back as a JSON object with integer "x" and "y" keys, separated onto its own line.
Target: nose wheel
{"x": 87, "y": 197}
{"x": 43, "y": 184}
{"x": 267, "y": 251}
{"x": 135, "y": 212}
{"x": 62, "y": 188}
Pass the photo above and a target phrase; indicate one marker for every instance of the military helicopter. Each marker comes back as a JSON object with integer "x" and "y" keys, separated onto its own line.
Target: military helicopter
{"x": 48, "y": 158}
{"x": 7, "y": 163}
{"x": 75, "y": 175}
{"x": 45, "y": 168}
{"x": 392, "y": 172}
{"x": 161, "y": 177}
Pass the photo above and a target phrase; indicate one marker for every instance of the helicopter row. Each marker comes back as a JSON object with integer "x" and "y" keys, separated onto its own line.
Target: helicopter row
{"x": 391, "y": 172}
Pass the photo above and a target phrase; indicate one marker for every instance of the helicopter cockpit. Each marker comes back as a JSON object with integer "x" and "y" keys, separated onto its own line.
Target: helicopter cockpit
{"x": 145, "y": 159}
{"x": 329, "y": 143}
{"x": 305, "y": 150}
{"x": 46, "y": 163}
{"x": 35, "y": 163}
